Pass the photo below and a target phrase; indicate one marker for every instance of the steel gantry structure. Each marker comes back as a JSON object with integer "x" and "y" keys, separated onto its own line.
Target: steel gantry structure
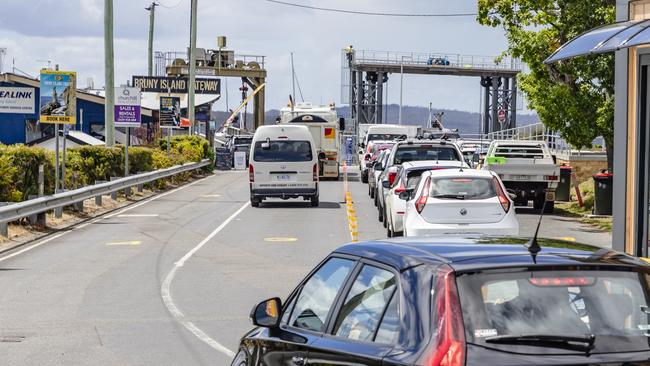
{"x": 365, "y": 74}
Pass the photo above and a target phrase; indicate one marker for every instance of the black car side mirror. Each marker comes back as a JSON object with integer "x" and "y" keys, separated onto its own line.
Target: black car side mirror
{"x": 385, "y": 184}
{"x": 267, "y": 313}
{"x": 379, "y": 167}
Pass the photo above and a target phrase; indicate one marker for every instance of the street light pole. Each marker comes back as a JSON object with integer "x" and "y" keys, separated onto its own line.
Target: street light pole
{"x": 152, "y": 17}
{"x": 109, "y": 74}
{"x": 401, "y": 89}
{"x": 192, "y": 81}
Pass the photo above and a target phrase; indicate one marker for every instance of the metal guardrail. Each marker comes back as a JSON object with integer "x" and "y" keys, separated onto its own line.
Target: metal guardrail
{"x": 424, "y": 59}
{"x": 40, "y": 205}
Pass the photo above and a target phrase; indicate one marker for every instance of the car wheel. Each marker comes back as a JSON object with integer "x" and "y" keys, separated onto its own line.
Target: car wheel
{"x": 314, "y": 201}
{"x": 376, "y": 199}
{"x": 385, "y": 219}
{"x": 372, "y": 193}
{"x": 369, "y": 191}
{"x": 255, "y": 202}
{"x": 380, "y": 215}
{"x": 389, "y": 232}
{"x": 241, "y": 359}
{"x": 364, "y": 176}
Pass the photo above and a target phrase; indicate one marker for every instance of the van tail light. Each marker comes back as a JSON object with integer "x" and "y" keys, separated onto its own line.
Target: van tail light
{"x": 315, "y": 172}
{"x": 391, "y": 177}
{"x": 503, "y": 198}
{"x": 552, "y": 177}
{"x": 448, "y": 347}
{"x": 424, "y": 197}
{"x": 251, "y": 173}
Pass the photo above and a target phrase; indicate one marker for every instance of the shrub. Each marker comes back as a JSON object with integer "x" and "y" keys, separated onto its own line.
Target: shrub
{"x": 22, "y": 173}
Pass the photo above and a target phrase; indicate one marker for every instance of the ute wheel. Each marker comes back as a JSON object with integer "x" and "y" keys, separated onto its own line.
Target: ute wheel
{"x": 550, "y": 207}
{"x": 364, "y": 176}
{"x": 314, "y": 201}
{"x": 255, "y": 203}
{"x": 538, "y": 202}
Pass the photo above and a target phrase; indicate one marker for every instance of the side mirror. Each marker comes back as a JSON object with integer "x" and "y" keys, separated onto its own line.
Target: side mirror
{"x": 267, "y": 313}
{"x": 321, "y": 156}
{"x": 341, "y": 124}
{"x": 379, "y": 167}
{"x": 371, "y": 164}
{"x": 385, "y": 184}
{"x": 406, "y": 195}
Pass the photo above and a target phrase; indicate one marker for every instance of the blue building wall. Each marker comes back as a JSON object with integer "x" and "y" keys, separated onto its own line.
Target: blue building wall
{"x": 13, "y": 125}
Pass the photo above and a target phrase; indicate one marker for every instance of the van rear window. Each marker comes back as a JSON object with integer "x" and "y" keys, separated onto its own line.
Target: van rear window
{"x": 283, "y": 151}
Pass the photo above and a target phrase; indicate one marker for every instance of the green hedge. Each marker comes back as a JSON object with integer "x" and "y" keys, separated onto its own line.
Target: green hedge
{"x": 87, "y": 164}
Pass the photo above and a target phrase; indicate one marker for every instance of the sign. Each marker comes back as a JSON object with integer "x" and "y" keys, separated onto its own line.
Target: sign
{"x": 349, "y": 150}
{"x": 161, "y": 84}
{"x": 330, "y": 133}
{"x": 127, "y": 107}
{"x": 170, "y": 112}
{"x": 58, "y": 102}
{"x": 240, "y": 160}
{"x": 17, "y": 100}
{"x": 502, "y": 115}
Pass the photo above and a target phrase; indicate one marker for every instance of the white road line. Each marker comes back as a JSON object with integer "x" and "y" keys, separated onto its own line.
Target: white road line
{"x": 138, "y": 215}
{"x": 165, "y": 289}
{"x": 79, "y": 227}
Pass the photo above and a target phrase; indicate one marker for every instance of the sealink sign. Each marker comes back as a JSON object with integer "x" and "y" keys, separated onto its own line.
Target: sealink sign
{"x": 17, "y": 100}
{"x": 127, "y": 107}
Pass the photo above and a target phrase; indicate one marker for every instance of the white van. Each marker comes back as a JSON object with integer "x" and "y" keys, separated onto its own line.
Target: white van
{"x": 283, "y": 164}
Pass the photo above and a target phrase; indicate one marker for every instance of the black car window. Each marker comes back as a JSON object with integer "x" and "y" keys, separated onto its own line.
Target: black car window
{"x": 283, "y": 151}
{"x": 318, "y": 294}
{"x": 365, "y": 303}
{"x": 406, "y": 153}
{"x": 388, "y": 331}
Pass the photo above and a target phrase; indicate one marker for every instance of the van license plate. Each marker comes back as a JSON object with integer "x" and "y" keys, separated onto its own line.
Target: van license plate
{"x": 282, "y": 177}
{"x": 522, "y": 177}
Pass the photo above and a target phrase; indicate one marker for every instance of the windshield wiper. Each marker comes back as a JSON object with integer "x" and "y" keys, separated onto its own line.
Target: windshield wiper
{"x": 575, "y": 343}
{"x": 450, "y": 196}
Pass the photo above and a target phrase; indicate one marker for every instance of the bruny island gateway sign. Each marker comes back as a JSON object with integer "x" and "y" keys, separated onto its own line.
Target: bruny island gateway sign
{"x": 159, "y": 84}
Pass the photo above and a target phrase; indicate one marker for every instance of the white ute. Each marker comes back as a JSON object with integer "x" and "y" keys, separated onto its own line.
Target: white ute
{"x": 283, "y": 164}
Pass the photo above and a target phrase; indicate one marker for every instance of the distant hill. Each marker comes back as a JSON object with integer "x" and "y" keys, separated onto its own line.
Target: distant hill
{"x": 465, "y": 122}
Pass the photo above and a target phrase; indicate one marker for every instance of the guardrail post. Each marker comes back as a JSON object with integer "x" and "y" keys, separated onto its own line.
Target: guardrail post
{"x": 114, "y": 193}
{"x": 140, "y": 186}
{"x": 98, "y": 199}
{"x": 4, "y": 226}
{"x": 79, "y": 206}
{"x": 37, "y": 219}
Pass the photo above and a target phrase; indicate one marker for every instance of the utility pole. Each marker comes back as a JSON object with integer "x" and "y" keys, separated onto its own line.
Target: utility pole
{"x": 152, "y": 17}
{"x": 192, "y": 81}
{"x": 109, "y": 74}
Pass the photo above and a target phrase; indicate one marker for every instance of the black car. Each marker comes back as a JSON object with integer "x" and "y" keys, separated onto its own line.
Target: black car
{"x": 464, "y": 301}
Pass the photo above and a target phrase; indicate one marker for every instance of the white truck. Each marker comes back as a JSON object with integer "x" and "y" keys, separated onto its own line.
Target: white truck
{"x": 324, "y": 125}
{"x": 527, "y": 169}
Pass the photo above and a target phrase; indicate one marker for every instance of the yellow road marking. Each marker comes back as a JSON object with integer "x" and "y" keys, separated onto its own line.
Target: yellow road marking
{"x": 568, "y": 238}
{"x": 281, "y": 239}
{"x": 129, "y": 242}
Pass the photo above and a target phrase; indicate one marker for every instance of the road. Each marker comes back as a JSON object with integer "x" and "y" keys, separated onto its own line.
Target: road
{"x": 171, "y": 280}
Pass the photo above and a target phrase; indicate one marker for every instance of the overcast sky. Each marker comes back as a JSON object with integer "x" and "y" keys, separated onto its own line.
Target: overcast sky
{"x": 70, "y": 33}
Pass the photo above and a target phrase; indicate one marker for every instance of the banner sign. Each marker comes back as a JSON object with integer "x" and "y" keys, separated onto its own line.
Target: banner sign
{"x": 170, "y": 111}
{"x": 127, "y": 107}
{"x": 17, "y": 100}
{"x": 58, "y": 102}
{"x": 161, "y": 84}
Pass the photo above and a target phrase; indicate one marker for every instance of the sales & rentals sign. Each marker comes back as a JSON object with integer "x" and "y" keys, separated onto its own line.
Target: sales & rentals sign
{"x": 127, "y": 107}
{"x": 17, "y": 100}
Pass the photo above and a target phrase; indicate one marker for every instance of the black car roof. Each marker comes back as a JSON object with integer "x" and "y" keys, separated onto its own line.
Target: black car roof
{"x": 465, "y": 253}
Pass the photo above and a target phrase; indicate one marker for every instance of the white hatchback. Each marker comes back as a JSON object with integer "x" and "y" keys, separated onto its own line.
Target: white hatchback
{"x": 457, "y": 201}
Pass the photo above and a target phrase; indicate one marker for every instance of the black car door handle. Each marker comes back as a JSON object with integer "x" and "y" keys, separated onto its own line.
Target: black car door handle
{"x": 298, "y": 361}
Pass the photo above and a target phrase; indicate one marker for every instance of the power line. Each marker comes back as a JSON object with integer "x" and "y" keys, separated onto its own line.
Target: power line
{"x": 170, "y": 6}
{"x": 448, "y": 15}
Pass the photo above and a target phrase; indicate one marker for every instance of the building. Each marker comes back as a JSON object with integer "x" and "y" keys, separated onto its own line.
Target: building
{"x": 22, "y": 127}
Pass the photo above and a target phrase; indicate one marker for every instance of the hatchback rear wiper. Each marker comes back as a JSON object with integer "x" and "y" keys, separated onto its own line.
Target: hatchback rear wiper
{"x": 575, "y": 343}
{"x": 450, "y": 196}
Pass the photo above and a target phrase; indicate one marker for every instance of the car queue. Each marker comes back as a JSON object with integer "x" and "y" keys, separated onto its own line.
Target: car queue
{"x": 461, "y": 289}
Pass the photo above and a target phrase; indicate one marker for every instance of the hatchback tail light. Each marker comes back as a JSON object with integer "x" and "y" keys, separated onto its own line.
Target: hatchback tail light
{"x": 251, "y": 173}
{"x": 315, "y": 172}
{"x": 400, "y": 189}
{"x": 424, "y": 197}
{"x": 391, "y": 177}
{"x": 448, "y": 347}
{"x": 503, "y": 199}
{"x": 562, "y": 281}
{"x": 552, "y": 177}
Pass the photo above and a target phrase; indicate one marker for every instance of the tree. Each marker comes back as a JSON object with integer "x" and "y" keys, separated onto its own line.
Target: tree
{"x": 574, "y": 97}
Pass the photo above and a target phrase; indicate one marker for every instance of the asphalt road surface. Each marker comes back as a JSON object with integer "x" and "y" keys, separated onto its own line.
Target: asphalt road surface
{"x": 171, "y": 280}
